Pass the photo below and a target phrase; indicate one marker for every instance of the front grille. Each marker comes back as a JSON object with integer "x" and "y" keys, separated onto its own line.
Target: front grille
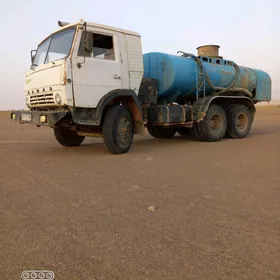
{"x": 42, "y": 99}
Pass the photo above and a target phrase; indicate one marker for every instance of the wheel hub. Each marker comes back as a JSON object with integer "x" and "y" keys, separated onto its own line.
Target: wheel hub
{"x": 216, "y": 122}
{"x": 242, "y": 122}
{"x": 124, "y": 132}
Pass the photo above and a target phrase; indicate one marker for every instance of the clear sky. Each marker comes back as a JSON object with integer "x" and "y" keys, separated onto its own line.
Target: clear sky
{"x": 248, "y": 31}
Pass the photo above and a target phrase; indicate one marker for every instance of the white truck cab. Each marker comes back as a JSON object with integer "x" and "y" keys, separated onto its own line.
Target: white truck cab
{"x": 82, "y": 68}
{"x": 76, "y": 70}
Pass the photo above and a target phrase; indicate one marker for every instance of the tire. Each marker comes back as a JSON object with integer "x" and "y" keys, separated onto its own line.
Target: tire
{"x": 196, "y": 134}
{"x": 185, "y": 131}
{"x": 67, "y": 137}
{"x": 161, "y": 132}
{"x": 239, "y": 121}
{"x": 114, "y": 119}
{"x": 205, "y": 131}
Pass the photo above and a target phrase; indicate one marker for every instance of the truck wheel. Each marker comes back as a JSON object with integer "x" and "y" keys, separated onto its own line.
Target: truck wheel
{"x": 161, "y": 132}
{"x": 196, "y": 134}
{"x": 185, "y": 131}
{"x": 239, "y": 121}
{"x": 214, "y": 125}
{"x": 118, "y": 130}
{"x": 67, "y": 137}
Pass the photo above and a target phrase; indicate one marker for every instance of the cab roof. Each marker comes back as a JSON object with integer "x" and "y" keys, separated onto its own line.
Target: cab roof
{"x": 98, "y": 25}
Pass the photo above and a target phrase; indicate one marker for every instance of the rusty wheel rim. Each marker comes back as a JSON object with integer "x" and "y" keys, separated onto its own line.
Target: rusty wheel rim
{"x": 216, "y": 122}
{"x": 124, "y": 131}
{"x": 242, "y": 122}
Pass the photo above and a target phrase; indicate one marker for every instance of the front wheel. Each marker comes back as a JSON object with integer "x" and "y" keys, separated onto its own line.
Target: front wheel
{"x": 118, "y": 129}
{"x": 67, "y": 137}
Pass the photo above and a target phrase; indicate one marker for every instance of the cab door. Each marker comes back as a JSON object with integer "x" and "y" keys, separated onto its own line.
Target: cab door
{"x": 97, "y": 73}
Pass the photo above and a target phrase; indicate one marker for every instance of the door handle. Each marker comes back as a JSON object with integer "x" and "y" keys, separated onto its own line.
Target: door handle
{"x": 117, "y": 77}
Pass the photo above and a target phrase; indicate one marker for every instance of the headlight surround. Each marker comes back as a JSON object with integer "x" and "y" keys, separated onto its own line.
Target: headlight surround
{"x": 27, "y": 102}
{"x": 57, "y": 99}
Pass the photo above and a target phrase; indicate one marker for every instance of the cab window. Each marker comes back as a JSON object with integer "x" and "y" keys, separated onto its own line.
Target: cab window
{"x": 103, "y": 47}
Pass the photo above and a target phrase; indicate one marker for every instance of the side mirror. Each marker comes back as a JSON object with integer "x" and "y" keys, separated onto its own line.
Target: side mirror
{"x": 88, "y": 42}
{"x": 33, "y": 53}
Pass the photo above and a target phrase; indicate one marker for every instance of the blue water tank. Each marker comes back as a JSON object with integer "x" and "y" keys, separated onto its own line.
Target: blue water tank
{"x": 177, "y": 76}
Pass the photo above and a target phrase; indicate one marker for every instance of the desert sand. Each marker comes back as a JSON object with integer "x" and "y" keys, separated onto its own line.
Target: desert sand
{"x": 168, "y": 209}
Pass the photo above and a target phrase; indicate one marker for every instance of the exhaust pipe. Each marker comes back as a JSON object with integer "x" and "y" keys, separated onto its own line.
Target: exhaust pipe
{"x": 62, "y": 23}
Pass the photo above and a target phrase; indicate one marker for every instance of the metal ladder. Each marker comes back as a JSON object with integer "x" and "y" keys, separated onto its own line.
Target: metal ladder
{"x": 200, "y": 78}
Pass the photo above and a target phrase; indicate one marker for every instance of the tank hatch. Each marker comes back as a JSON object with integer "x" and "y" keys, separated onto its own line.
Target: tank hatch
{"x": 209, "y": 51}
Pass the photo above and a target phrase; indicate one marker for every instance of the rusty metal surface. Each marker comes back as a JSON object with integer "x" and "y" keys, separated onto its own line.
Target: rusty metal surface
{"x": 201, "y": 106}
{"x": 52, "y": 117}
{"x": 91, "y": 131}
{"x": 170, "y": 115}
{"x": 208, "y": 50}
{"x": 148, "y": 91}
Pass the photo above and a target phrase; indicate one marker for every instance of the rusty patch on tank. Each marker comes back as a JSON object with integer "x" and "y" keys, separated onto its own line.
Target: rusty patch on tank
{"x": 245, "y": 80}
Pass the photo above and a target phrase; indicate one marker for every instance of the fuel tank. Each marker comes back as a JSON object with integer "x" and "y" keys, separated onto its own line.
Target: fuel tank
{"x": 179, "y": 77}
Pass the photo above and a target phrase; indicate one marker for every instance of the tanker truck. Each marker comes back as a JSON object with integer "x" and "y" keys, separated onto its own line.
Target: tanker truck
{"x": 89, "y": 79}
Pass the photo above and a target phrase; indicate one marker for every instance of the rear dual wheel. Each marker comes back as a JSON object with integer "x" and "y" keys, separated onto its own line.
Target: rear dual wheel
{"x": 213, "y": 127}
{"x": 239, "y": 121}
{"x": 217, "y": 124}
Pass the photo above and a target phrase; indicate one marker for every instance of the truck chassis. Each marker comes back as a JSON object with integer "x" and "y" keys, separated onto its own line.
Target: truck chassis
{"x": 122, "y": 114}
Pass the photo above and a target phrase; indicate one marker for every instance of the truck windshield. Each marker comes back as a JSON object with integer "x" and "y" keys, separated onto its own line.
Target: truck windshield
{"x": 55, "y": 47}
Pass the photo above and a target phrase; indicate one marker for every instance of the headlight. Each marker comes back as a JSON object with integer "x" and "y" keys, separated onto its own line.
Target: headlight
{"x": 27, "y": 101}
{"x": 58, "y": 98}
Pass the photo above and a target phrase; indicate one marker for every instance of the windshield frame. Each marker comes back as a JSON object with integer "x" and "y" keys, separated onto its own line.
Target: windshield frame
{"x": 50, "y": 38}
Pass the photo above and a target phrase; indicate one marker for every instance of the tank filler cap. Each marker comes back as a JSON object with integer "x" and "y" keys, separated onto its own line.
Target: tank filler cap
{"x": 208, "y": 50}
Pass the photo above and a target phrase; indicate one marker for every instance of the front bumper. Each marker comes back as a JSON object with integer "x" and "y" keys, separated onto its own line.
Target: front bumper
{"x": 39, "y": 118}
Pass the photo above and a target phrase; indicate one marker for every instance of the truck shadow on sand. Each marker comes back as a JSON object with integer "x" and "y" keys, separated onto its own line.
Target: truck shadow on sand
{"x": 149, "y": 144}
{"x": 139, "y": 145}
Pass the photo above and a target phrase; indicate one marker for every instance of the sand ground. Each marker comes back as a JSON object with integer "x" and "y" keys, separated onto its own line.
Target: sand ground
{"x": 83, "y": 213}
